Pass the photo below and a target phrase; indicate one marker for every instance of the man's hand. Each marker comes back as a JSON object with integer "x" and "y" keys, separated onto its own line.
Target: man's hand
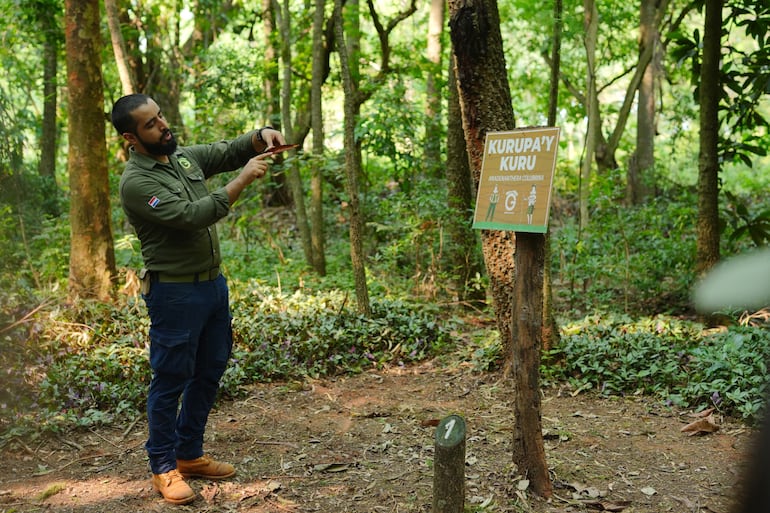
{"x": 272, "y": 137}
{"x": 254, "y": 168}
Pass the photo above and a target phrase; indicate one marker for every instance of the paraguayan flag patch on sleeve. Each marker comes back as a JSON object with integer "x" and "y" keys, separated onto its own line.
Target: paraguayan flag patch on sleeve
{"x": 153, "y": 201}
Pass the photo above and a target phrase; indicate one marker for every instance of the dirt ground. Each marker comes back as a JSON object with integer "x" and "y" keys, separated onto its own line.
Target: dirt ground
{"x": 365, "y": 444}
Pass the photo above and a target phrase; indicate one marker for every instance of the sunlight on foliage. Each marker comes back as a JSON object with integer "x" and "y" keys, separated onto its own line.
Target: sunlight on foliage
{"x": 674, "y": 360}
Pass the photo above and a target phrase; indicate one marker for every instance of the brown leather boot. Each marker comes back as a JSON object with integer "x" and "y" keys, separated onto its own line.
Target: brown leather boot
{"x": 205, "y": 467}
{"x": 172, "y": 487}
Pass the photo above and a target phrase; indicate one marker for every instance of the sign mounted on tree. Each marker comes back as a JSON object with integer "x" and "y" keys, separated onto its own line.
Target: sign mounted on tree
{"x": 516, "y": 180}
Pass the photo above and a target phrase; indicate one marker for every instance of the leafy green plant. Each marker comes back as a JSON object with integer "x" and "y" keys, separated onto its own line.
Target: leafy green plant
{"x": 666, "y": 358}
{"x": 745, "y": 223}
{"x": 92, "y": 368}
{"x": 297, "y": 336}
{"x": 614, "y": 264}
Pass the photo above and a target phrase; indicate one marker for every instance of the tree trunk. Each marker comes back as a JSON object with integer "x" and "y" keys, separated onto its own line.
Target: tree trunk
{"x": 486, "y": 106}
{"x": 641, "y": 168}
{"x": 485, "y": 101}
{"x": 49, "y": 137}
{"x": 707, "y": 253}
{"x": 550, "y": 328}
{"x": 92, "y": 257}
{"x": 280, "y": 195}
{"x": 127, "y": 79}
{"x": 591, "y": 28}
{"x": 433, "y": 91}
{"x": 462, "y": 251}
{"x": 291, "y": 167}
{"x": 352, "y": 168}
{"x": 317, "y": 236}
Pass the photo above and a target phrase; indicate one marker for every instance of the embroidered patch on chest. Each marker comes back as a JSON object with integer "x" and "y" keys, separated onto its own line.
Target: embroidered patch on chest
{"x": 153, "y": 201}
{"x": 186, "y": 164}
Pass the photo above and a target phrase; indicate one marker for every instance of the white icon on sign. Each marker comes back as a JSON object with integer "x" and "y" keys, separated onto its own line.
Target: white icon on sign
{"x": 510, "y": 201}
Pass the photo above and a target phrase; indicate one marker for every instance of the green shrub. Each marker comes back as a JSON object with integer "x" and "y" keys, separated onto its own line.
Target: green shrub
{"x": 670, "y": 359}
{"x": 92, "y": 363}
{"x": 297, "y": 336}
{"x": 628, "y": 259}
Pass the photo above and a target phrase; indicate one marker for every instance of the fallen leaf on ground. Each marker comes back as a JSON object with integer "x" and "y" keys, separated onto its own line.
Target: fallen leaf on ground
{"x": 209, "y": 492}
{"x": 701, "y": 426}
{"x": 607, "y": 505}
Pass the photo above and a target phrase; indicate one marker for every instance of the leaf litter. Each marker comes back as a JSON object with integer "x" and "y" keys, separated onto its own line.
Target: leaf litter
{"x": 365, "y": 444}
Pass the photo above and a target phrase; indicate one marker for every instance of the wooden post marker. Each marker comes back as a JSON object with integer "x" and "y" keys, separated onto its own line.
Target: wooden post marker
{"x": 449, "y": 466}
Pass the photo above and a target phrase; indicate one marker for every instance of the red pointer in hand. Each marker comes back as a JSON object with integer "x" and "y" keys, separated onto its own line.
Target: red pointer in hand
{"x": 279, "y": 149}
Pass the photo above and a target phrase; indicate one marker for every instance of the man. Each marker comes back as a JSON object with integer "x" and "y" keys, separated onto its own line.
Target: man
{"x": 165, "y": 198}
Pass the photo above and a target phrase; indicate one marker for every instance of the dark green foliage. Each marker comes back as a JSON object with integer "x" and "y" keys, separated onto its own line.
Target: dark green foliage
{"x": 311, "y": 336}
{"x": 673, "y": 360}
{"x": 637, "y": 259}
{"x": 91, "y": 366}
{"x": 745, "y": 222}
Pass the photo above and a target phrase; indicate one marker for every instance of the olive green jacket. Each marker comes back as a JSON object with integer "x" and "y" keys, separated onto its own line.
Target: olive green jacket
{"x": 171, "y": 208}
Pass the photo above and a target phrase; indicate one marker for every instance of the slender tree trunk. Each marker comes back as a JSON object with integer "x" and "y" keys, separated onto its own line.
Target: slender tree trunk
{"x": 49, "y": 137}
{"x": 641, "y": 168}
{"x": 486, "y": 106}
{"x": 463, "y": 252}
{"x": 707, "y": 245}
{"x": 550, "y": 328}
{"x": 291, "y": 167}
{"x": 591, "y": 27}
{"x": 352, "y": 168}
{"x": 433, "y": 89}
{"x": 92, "y": 257}
{"x": 317, "y": 235}
{"x": 127, "y": 79}
{"x": 280, "y": 195}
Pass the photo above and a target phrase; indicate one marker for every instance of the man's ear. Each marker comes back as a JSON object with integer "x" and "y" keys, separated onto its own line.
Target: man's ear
{"x": 130, "y": 138}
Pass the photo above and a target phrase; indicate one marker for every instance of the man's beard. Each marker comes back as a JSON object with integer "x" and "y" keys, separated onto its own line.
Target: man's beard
{"x": 161, "y": 148}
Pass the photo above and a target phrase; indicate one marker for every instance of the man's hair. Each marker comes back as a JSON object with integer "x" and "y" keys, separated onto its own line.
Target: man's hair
{"x": 122, "y": 119}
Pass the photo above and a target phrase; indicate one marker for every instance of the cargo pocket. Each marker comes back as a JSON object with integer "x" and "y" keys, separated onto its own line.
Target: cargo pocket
{"x": 170, "y": 352}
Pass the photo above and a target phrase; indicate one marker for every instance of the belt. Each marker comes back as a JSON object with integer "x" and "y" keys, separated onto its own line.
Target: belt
{"x": 211, "y": 274}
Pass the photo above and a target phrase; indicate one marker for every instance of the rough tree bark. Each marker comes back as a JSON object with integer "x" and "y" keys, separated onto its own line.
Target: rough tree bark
{"x": 92, "y": 257}
{"x": 485, "y": 98}
{"x": 462, "y": 253}
{"x": 707, "y": 246}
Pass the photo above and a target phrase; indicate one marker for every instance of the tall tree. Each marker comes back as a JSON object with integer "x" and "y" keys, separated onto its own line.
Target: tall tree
{"x": 352, "y": 167}
{"x": 92, "y": 257}
{"x": 591, "y": 103}
{"x": 641, "y": 167}
{"x": 127, "y": 79}
{"x": 319, "y": 72}
{"x": 49, "y": 137}
{"x": 355, "y": 95}
{"x": 485, "y": 98}
{"x": 707, "y": 246}
{"x": 462, "y": 251}
{"x": 291, "y": 167}
{"x": 433, "y": 89}
{"x": 550, "y": 328}
{"x": 280, "y": 194}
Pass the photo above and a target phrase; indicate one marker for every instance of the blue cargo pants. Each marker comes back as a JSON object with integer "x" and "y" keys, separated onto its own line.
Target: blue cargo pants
{"x": 190, "y": 344}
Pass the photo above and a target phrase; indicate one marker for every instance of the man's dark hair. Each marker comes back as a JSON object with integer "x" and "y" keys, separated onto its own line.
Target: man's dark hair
{"x": 122, "y": 119}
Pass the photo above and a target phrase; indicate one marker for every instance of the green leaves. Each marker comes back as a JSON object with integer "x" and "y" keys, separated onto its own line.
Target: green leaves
{"x": 670, "y": 359}
{"x": 92, "y": 368}
{"x": 292, "y": 337}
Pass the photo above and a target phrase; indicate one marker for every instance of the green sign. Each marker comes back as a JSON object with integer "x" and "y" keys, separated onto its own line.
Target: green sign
{"x": 516, "y": 180}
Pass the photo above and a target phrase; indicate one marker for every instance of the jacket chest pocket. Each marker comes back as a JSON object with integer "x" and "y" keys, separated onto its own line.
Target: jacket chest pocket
{"x": 197, "y": 185}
